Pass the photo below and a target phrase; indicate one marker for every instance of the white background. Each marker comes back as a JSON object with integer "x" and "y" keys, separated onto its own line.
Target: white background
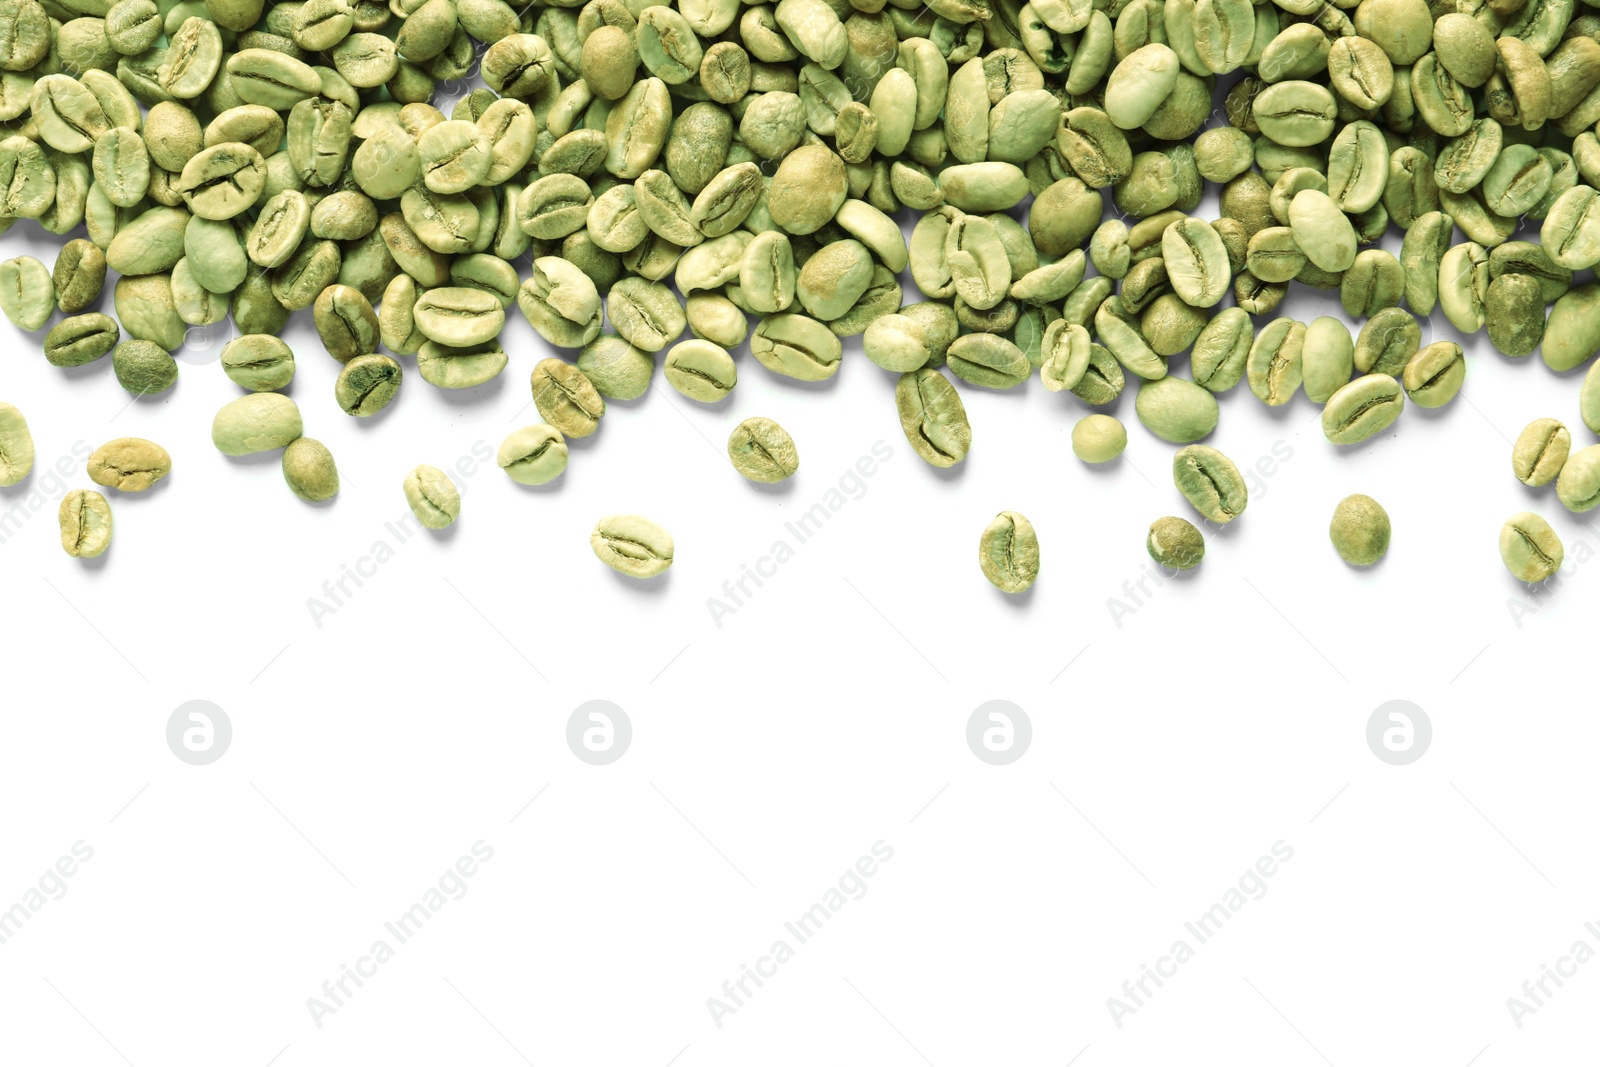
{"x": 1173, "y": 745}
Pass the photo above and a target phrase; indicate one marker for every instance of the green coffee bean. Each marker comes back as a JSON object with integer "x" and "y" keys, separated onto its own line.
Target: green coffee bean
{"x": 700, "y": 370}
{"x": 989, "y": 360}
{"x": 1514, "y": 314}
{"x": 1572, "y": 333}
{"x": 1274, "y": 366}
{"x": 632, "y": 545}
{"x": 432, "y": 497}
{"x": 85, "y": 519}
{"x": 258, "y": 362}
{"x": 1530, "y": 548}
{"x": 366, "y": 385}
{"x": 27, "y": 292}
{"x": 81, "y": 339}
{"x": 1008, "y": 553}
{"x": 1540, "y": 452}
{"x": 566, "y": 399}
{"x": 533, "y": 455}
{"x": 1360, "y": 530}
{"x": 1434, "y": 375}
{"x": 16, "y": 446}
{"x": 310, "y": 471}
{"x": 1387, "y": 342}
{"x": 130, "y": 464}
{"x": 933, "y": 417}
{"x": 1176, "y": 409}
{"x": 1367, "y": 406}
{"x": 259, "y": 422}
{"x": 797, "y": 347}
{"x": 763, "y": 451}
{"x": 1210, "y": 482}
{"x": 1327, "y": 358}
{"x": 1175, "y": 543}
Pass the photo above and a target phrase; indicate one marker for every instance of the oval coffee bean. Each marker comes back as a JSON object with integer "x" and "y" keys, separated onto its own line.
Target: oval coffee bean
{"x": 1197, "y": 262}
{"x": 1530, "y": 548}
{"x": 130, "y": 464}
{"x": 458, "y": 316}
{"x": 632, "y": 545}
{"x": 1008, "y": 552}
{"x": 566, "y": 398}
{"x": 533, "y": 455}
{"x": 310, "y": 471}
{"x": 1578, "y": 484}
{"x": 16, "y": 446}
{"x": 1540, "y": 451}
{"x": 85, "y": 519}
{"x": 1434, "y": 375}
{"x": 762, "y": 451}
{"x": 1176, "y": 409}
{"x": 1210, "y": 482}
{"x": 366, "y": 384}
{"x": 1366, "y": 406}
{"x": 700, "y": 370}
{"x": 432, "y": 497}
{"x": 933, "y": 417}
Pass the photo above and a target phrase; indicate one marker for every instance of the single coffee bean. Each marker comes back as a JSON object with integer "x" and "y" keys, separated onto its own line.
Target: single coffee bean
{"x": 797, "y": 347}
{"x": 617, "y": 369}
{"x": 1359, "y": 530}
{"x": 1434, "y": 375}
{"x": 1464, "y": 277}
{"x": 144, "y": 368}
{"x": 367, "y": 384}
{"x": 1219, "y": 355}
{"x": 1197, "y": 262}
{"x": 1571, "y": 230}
{"x": 1210, "y": 482}
{"x": 81, "y": 339}
{"x": 130, "y": 464}
{"x": 16, "y": 446}
{"x": 1175, "y": 543}
{"x": 700, "y": 370}
{"x": 258, "y": 362}
{"x": 1098, "y": 439}
{"x": 1064, "y": 355}
{"x": 1366, "y": 406}
{"x": 1322, "y": 231}
{"x": 1514, "y": 314}
{"x": 988, "y": 360}
{"x": 259, "y": 422}
{"x": 79, "y": 276}
{"x": 1530, "y": 548}
{"x": 460, "y": 368}
{"x": 346, "y": 322}
{"x": 533, "y": 455}
{"x": 1327, "y": 358}
{"x": 1008, "y": 553}
{"x": 762, "y": 451}
{"x": 85, "y": 519}
{"x": 27, "y": 294}
{"x": 566, "y": 399}
{"x": 1275, "y": 363}
{"x": 632, "y": 545}
{"x": 310, "y": 471}
{"x": 432, "y": 497}
{"x": 933, "y": 417}
{"x": 458, "y": 316}
{"x": 1540, "y": 452}
{"x": 1387, "y": 342}
{"x": 1176, "y": 409}
{"x": 1578, "y": 484}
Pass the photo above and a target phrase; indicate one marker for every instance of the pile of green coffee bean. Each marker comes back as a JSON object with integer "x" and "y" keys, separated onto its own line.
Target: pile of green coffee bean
{"x": 688, "y": 165}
